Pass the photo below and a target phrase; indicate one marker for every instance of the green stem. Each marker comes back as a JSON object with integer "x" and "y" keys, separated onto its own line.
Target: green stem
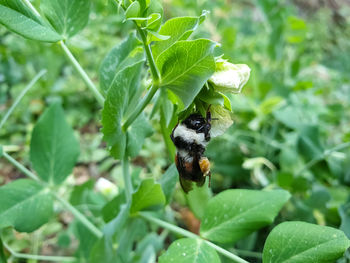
{"x": 127, "y": 179}
{"x": 189, "y": 234}
{"x": 20, "y": 167}
{"x": 74, "y": 62}
{"x": 93, "y": 229}
{"x": 39, "y": 257}
{"x": 20, "y": 96}
{"x": 72, "y": 209}
{"x": 151, "y": 62}
{"x": 140, "y": 107}
{"x": 325, "y": 154}
{"x": 82, "y": 73}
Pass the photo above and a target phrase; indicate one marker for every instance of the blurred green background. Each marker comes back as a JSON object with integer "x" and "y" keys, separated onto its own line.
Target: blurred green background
{"x": 292, "y": 120}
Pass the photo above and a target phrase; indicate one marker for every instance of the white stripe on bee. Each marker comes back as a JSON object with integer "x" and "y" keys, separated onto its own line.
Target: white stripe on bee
{"x": 190, "y": 135}
{"x": 185, "y": 155}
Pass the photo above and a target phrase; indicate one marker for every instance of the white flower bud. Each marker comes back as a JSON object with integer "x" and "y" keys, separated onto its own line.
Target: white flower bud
{"x": 229, "y": 77}
{"x": 106, "y": 187}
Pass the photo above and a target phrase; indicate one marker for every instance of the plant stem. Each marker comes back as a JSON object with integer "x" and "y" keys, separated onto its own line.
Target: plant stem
{"x": 127, "y": 179}
{"x": 93, "y": 229}
{"x": 140, "y": 107}
{"x": 189, "y": 234}
{"x": 151, "y": 62}
{"x": 20, "y": 96}
{"x": 39, "y": 257}
{"x": 74, "y": 62}
{"x": 82, "y": 73}
{"x": 325, "y": 154}
{"x": 20, "y": 167}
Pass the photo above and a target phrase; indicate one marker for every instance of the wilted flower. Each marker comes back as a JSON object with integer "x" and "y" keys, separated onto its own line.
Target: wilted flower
{"x": 229, "y": 77}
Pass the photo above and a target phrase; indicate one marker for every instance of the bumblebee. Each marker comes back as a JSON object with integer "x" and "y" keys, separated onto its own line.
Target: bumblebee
{"x": 190, "y": 138}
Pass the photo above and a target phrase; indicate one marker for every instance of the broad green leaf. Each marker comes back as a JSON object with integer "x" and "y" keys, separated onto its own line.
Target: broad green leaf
{"x": 25, "y": 205}
{"x": 20, "y": 7}
{"x": 26, "y": 26}
{"x": 186, "y": 66}
{"x": 68, "y": 17}
{"x": 112, "y": 208}
{"x": 137, "y": 133}
{"x": 179, "y": 28}
{"x": 190, "y": 250}
{"x": 234, "y": 214}
{"x": 54, "y": 149}
{"x": 116, "y": 105}
{"x": 300, "y": 242}
{"x": 148, "y": 195}
{"x": 168, "y": 182}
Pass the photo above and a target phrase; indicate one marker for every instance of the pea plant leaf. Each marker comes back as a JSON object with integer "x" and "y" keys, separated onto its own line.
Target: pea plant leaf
{"x": 123, "y": 55}
{"x": 179, "y": 28}
{"x": 168, "y": 182}
{"x": 116, "y": 105}
{"x": 234, "y": 214}
{"x": 25, "y": 205}
{"x": 190, "y": 250}
{"x": 186, "y": 66}
{"x": 54, "y": 149}
{"x": 67, "y": 17}
{"x": 137, "y": 133}
{"x": 148, "y": 195}
{"x": 20, "y": 7}
{"x": 26, "y": 26}
{"x": 298, "y": 242}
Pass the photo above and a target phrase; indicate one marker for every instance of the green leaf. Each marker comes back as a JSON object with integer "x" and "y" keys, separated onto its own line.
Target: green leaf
{"x": 116, "y": 105}
{"x": 26, "y": 26}
{"x": 2, "y": 254}
{"x": 25, "y": 205}
{"x": 190, "y": 250}
{"x": 234, "y": 214}
{"x": 20, "y": 7}
{"x": 68, "y": 17}
{"x": 179, "y": 28}
{"x": 168, "y": 182}
{"x": 139, "y": 130}
{"x": 112, "y": 208}
{"x": 54, "y": 149}
{"x": 148, "y": 195}
{"x": 309, "y": 143}
{"x": 103, "y": 251}
{"x": 198, "y": 198}
{"x": 133, "y": 10}
{"x": 116, "y": 225}
{"x": 1, "y": 151}
{"x": 299, "y": 242}
{"x": 344, "y": 212}
{"x": 186, "y": 66}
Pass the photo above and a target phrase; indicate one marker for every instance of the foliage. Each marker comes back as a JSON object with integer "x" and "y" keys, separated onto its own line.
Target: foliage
{"x": 287, "y": 151}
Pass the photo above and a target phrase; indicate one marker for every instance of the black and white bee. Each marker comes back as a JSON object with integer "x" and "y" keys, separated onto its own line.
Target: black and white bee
{"x": 191, "y": 137}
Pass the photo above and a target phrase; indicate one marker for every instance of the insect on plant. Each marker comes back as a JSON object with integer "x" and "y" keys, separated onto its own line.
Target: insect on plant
{"x": 191, "y": 137}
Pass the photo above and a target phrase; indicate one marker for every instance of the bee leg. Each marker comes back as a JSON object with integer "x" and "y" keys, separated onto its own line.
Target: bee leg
{"x": 209, "y": 174}
{"x": 204, "y": 165}
{"x": 172, "y": 133}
